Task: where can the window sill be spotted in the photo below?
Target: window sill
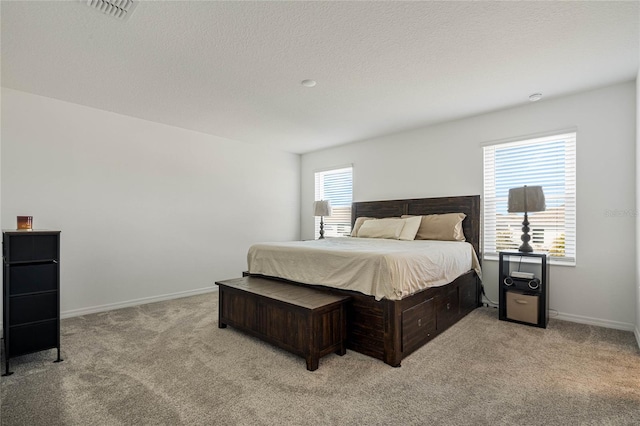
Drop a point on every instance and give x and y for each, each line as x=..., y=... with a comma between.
x=550, y=260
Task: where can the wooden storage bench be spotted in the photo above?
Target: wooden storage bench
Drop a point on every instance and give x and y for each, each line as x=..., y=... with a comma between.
x=301, y=320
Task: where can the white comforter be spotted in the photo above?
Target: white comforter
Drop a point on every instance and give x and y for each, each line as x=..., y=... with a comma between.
x=389, y=269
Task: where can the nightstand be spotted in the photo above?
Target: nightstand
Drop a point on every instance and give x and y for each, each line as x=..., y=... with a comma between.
x=524, y=288
x=31, y=293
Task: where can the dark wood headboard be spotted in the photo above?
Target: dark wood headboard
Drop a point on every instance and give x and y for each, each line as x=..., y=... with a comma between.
x=468, y=204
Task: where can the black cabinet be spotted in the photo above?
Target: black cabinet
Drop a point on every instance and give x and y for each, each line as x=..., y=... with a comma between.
x=31, y=293
x=524, y=288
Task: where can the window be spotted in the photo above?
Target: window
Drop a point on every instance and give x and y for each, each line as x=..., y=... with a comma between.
x=546, y=161
x=336, y=186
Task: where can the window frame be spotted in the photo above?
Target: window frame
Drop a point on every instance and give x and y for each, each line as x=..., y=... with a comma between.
x=569, y=194
x=341, y=212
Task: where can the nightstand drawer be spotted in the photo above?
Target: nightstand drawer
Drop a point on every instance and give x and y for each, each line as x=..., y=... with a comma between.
x=32, y=278
x=37, y=307
x=32, y=248
x=522, y=307
x=31, y=338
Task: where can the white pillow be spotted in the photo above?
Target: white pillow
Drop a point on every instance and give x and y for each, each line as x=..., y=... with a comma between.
x=382, y=228
x=410, y=229
x=358, y=223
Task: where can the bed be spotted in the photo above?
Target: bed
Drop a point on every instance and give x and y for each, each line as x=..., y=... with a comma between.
x=388, y=323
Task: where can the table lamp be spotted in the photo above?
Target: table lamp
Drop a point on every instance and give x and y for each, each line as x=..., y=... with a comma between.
x=322, y=208
x=526, y=199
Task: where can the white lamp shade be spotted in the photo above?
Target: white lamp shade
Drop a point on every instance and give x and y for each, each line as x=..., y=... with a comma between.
x=322, y=208
x=526, y=199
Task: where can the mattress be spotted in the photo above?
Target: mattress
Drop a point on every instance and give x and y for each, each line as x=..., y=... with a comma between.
x=385, y=269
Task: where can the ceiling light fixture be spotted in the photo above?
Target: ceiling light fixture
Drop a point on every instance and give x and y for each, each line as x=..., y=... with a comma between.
x=308, y=83
x=535, y=97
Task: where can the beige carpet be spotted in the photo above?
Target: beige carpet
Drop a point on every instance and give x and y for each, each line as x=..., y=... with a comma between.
x=168, y=364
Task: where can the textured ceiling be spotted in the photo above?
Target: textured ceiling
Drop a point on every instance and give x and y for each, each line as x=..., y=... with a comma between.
x=233, y=69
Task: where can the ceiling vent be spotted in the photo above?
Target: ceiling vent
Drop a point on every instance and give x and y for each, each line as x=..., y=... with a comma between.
x=120, y=9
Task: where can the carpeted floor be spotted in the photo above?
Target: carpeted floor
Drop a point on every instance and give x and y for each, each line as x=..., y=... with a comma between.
x=167, y=363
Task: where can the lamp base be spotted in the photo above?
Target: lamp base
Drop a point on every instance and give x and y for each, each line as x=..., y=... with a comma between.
x=321, y=228
x=525, y=247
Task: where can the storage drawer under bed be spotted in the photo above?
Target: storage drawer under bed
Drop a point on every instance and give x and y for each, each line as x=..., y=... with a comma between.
x=418, y=325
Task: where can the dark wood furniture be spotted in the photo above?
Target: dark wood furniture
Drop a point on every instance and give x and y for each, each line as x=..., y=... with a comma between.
x=301, y=320
x=390, y=330
x=31, y=292
x=523, y=300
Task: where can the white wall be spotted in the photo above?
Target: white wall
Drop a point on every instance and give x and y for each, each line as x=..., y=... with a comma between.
x=446, y=159
x=637, y=328
x=145, y=209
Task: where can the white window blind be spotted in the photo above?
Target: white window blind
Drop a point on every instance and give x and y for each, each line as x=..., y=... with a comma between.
x=336, y=186
x=546, y=161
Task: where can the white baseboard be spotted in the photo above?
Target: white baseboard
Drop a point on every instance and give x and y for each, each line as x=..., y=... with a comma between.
x=618, y=325
x=135, y=302
x=637, y=333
